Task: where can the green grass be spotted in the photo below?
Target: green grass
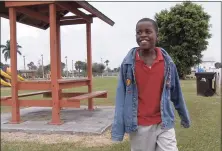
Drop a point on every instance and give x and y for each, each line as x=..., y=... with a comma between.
x=204, y=135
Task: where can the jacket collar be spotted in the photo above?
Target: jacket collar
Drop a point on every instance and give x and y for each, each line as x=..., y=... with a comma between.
x=130, y=57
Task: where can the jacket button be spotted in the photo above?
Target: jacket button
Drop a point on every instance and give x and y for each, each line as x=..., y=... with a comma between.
x=162, y=126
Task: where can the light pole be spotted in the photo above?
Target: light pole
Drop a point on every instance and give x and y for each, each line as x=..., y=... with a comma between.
x=72, y=69
x=24, y=62
x=42, y=67
x=66, y=67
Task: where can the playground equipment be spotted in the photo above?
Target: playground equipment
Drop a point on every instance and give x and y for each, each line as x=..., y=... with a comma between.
x=42, y=15
x=4, y=83
x=7, y=75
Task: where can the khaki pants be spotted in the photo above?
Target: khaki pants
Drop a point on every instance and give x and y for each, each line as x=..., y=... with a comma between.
x=153, y=138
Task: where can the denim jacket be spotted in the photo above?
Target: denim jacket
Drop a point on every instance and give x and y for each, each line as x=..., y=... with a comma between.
x=125, y=117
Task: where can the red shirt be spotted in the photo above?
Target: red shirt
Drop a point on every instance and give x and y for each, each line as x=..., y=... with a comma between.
x=149, y=83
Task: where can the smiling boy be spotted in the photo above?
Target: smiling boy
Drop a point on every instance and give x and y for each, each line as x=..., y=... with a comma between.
x=148, y=83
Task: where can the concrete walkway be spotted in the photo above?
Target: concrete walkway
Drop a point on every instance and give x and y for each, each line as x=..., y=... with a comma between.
x=36, y=119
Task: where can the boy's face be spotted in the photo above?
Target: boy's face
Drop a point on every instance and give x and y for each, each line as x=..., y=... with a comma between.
x=146, y=35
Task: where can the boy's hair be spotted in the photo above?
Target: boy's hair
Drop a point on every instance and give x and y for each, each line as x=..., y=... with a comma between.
x=150, y=20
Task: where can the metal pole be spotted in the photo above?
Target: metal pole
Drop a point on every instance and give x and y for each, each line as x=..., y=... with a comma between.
x=42, y=68
x=66, y=67
x=72, y=69
x=24, y=62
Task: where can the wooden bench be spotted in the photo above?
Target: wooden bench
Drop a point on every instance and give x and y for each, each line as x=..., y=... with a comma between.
x=96, y=94
x=25, y=94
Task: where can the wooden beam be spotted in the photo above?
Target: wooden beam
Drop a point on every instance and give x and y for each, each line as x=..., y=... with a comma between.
x=93, y=10
x=25, y=94
x=22, y=22
x=74, y=17
x=72, y=83
x=74, y=10
x=6, y=102
x=100, y=94
x=89, y=63
x=72, y=22
x=13, y=55
x=35, y=103
x=54, y=66
x=71, y=94
x=58, y=51
x=46, y=9
x=23, y=16
x=42, y=103
x=33, y=14
x=68, y=104
x=34, y=85
x=26, y=3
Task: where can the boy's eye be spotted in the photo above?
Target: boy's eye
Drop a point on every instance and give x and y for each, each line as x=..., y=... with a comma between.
x=148, y=31
x=139, y=32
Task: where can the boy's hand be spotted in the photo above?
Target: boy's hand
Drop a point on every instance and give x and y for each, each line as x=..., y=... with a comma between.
x=185, y=125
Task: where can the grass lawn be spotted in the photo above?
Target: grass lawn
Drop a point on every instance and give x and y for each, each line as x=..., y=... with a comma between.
x=204, y=135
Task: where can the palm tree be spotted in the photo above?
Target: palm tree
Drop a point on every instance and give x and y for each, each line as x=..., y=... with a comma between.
x=6, y=50
x=107, y=63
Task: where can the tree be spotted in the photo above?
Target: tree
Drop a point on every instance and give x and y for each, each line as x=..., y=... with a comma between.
x=32, y=66
x=109, y=70
x=183, y=32
x=107, y=63
x=80, y=65
x=1, y=65
x=98, y=68
x=101, y=67
x=218, y=65
x=47, y=68
x=6, y=50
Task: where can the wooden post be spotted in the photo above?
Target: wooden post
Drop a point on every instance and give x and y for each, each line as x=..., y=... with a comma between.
x=58, y=48
x=89, y=63
x=54, y=66
x=59, y=74
x=13, y=55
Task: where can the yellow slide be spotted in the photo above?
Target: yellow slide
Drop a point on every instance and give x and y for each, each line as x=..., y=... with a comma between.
x=5, y=83
x=9, y=73
x=8, y=76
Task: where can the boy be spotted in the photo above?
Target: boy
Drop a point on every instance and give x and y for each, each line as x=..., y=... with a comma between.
x=148, y=82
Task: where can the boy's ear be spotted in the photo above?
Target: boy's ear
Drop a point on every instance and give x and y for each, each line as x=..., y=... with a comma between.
x=157, y=37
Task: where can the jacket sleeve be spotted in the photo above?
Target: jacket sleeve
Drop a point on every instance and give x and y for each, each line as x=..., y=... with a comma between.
x=178, y=99
x=118, y=129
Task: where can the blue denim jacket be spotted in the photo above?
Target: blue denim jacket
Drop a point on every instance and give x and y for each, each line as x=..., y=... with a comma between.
x=125, y=118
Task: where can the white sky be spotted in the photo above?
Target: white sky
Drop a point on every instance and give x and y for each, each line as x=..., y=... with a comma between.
x=108, y=42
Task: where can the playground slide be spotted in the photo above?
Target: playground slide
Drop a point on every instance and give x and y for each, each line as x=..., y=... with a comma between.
x=19, y=77
x=8, y=76
x=5, y=83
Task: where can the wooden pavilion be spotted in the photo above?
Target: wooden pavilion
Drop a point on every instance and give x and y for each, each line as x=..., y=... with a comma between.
x=43, y=15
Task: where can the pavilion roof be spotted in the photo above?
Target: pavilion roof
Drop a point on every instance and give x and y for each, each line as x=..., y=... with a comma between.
x=36, y=13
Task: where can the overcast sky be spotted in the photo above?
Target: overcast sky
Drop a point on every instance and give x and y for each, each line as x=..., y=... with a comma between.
x=108, y=42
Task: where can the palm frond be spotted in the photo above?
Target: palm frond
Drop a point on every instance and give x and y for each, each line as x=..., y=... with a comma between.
x=19, y=52
x=6, y=56
x=2, y=46
x=5, y=50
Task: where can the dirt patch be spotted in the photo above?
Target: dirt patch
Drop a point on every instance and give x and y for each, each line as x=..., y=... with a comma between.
x=83, y=140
